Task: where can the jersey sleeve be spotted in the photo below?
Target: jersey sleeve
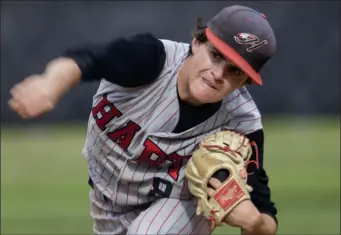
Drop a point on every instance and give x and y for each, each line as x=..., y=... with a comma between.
x=127, y=62
x=258, y=178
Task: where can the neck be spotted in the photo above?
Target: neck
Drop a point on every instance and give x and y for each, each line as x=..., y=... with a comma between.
x=183, y=88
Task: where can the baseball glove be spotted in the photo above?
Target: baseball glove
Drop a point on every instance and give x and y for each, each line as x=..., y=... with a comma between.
x=224, y=150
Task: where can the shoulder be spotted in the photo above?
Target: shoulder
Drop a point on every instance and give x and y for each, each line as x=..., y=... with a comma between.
x=175, y=51
x=144, y=41
x=168, y=56
x=244, y=115
x=134, y=61
x=141, y=50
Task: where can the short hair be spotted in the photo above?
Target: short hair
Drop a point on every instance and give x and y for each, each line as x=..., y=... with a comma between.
x=199, y=33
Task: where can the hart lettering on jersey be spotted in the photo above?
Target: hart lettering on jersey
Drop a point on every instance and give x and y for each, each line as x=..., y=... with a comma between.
x=124, y=135
x=104, y=112
x=178, y=161
x=152, y=154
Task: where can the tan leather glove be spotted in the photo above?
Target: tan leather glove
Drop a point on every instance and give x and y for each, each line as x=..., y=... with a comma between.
x=223, y=150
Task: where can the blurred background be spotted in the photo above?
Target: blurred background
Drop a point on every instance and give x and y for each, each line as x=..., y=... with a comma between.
x=43, y=175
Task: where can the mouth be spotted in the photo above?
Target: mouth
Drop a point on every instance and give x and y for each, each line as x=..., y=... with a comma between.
x=208, y=83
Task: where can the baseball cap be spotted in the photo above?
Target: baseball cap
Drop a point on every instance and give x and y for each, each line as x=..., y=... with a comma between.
x=245, y=37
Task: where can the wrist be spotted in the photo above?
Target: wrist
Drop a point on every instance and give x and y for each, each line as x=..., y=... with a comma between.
x=245, y=216
x=252, y=223
x=250, y=220
x=263, y=225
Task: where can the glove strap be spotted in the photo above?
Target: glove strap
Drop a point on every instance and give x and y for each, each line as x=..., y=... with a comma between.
x=227, y=198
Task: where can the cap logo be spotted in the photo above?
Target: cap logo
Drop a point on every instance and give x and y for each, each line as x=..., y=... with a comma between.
x=249, y=39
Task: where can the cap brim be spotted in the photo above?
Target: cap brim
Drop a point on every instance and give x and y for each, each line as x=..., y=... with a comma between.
x=232, y=55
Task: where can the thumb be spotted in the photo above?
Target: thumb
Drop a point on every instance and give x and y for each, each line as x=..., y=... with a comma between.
x=198, y=210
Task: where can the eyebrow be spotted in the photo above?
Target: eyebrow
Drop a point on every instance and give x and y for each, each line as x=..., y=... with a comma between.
x=215, y=49
x=233, y=65
x=229, y=62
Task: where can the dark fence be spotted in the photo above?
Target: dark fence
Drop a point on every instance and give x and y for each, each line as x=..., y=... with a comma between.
x=303, y=78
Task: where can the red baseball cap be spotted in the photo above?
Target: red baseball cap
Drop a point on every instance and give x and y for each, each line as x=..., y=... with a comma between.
x=245, y=37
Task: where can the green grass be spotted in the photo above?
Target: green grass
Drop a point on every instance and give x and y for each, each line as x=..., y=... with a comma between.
x=44, y=178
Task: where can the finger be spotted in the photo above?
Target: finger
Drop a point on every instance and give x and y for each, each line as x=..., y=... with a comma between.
x=210, y=192
x=215, y=183
x=16, y=107
x=13, y=105
x=29, y=98
x=20, y=98
x=14, y=90
x=35, y=112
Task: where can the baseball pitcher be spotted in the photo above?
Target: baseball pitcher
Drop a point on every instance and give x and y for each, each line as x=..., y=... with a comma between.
x=174, y=139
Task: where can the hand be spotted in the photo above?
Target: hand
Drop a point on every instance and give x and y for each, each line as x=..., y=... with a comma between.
x=33, y=97
x=245, y=215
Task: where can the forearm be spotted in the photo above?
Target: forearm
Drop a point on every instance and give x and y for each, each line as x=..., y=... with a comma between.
x=63, y=74
x=265, y=226
x=248, y=218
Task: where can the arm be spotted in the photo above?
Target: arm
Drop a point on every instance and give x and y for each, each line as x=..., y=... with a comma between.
x=261, y=194
x=258, y=216
x=126, y=62
x=130, y=62
x=62, y=74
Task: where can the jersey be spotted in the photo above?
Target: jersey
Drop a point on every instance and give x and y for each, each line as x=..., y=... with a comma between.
x=133, y=154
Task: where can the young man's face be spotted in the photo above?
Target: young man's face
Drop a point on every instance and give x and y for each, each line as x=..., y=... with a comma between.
x=211, y=76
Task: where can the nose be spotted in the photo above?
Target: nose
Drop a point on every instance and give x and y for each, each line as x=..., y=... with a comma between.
x=218, y=73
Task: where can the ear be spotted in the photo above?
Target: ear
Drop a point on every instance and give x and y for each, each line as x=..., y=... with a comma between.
x=195, y=45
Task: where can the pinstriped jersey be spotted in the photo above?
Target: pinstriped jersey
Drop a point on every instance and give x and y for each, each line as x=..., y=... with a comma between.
x=133, y=154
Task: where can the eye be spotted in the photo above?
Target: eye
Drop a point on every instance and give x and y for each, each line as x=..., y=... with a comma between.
x=235, y=71
x=217, y=55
